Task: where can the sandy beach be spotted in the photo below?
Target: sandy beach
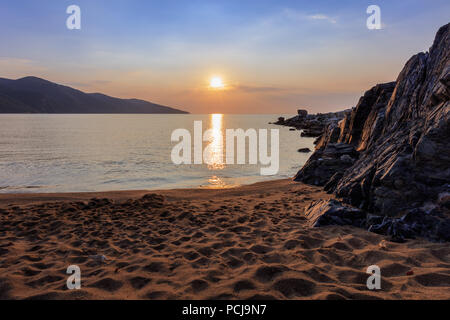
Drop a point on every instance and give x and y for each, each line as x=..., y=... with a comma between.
x=251, y=242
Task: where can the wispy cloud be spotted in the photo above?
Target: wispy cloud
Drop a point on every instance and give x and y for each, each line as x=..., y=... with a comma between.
x=88, y=84
x=258, y=89
x=18, y=67
x=272, y=89
x=301, y=16
x=322, y=17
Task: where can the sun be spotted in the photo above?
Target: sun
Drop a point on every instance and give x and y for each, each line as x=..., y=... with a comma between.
x=216, y=83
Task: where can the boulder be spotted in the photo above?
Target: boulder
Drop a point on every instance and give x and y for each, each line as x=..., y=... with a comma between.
x=324, y=163
x=280, y=121
x=311, y=125
x=312, y=132
x=332, y=212
x=415, y=223
x=302, y=113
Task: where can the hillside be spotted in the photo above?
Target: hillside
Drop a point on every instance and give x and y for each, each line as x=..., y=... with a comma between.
x=35, y=95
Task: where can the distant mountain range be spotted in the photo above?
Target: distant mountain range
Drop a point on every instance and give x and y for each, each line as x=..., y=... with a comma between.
x=35, y=95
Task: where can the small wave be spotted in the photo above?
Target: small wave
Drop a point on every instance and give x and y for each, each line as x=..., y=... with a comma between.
x=20, y=187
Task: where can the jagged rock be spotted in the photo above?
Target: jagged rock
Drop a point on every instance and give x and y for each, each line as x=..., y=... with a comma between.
x=400, y=132
x=312, y=132
x=324, y=163
x=280, y=121
x=302, y=113
x=334, y=180
x=405, y=154
x=330, y=135
x=332, y=212
x=415, y=223
x=368, y=106
x=430, y=223
x=312, y=125
x=444, y=199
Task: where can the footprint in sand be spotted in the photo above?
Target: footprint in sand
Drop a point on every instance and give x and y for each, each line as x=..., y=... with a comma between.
x=155, y=295
x=155, y=267
x=268, y=273
x=43, y=281
x=5, y=288
x=107, y=284
x=243, y=285
x=433, y=280
x=139, y=282
x=199, y=285
x=291, y=287
x=260, y=249
x=28, y=272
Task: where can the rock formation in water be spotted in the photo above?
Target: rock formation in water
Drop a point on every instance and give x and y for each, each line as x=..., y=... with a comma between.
x=312, y=125
x=391, y=155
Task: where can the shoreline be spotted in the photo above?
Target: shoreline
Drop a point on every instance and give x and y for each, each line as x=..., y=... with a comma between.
x=9, y=199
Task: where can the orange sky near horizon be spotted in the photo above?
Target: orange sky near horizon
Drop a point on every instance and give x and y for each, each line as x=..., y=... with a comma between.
x=273, y=58
x=332, y=87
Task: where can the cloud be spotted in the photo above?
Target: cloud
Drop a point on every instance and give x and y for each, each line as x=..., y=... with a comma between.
x=285, y=90
x=300, y=16
x=258, y=89
x=77, y=84
x=18, y=68
x=88, y=85
x=322, y=17
x=101, y=82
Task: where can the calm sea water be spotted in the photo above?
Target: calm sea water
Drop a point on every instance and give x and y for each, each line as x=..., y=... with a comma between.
x=77, y=153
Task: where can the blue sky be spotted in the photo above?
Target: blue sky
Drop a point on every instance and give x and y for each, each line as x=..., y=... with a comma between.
x=274, y=56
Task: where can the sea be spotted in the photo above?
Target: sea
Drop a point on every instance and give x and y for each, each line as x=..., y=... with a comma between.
x=42, y=153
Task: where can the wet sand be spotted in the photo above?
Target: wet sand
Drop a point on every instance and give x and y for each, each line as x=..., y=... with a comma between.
x=251, y=242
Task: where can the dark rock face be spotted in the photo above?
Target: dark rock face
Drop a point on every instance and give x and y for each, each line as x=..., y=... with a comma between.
x=280, y=121
x=400, y=132
x=325, y=162
x=336, y=147
x=415, y=223
x=405, y=157
x=311, y=125
x=332, y=212
x=358, y=122
x=302, y=113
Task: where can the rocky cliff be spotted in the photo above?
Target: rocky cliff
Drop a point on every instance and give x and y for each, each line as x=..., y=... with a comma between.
x=391, y=155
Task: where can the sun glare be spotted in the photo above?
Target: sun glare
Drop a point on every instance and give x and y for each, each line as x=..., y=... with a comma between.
x=216, y=83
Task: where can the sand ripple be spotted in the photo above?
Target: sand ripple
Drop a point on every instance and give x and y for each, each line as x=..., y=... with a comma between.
x=246, y=243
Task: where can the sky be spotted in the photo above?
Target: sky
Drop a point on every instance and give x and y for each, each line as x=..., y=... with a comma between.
x=273, y=56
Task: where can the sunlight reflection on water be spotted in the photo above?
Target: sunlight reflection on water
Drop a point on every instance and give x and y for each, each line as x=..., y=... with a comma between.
x=77, y=153
x=214, y=154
